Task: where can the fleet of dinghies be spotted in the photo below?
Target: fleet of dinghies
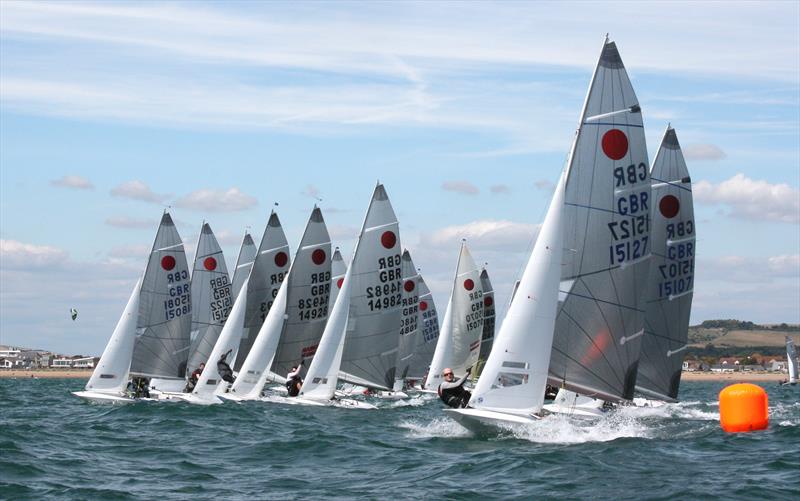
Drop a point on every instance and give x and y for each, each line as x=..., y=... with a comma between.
x=600, y=313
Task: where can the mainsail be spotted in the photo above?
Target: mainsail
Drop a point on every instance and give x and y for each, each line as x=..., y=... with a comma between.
x=308, y=293
x=488, y=316
x=460, y=339
x=409, y=321
x=607, y=241
x=165, y=308
x=269, y=269
x=671, y=273
x=211, y=297
x=244, y=263
x=428, y=334
x=370, y=351
x=514, y=377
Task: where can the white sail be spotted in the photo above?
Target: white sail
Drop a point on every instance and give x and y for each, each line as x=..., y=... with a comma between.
x=165, y=309
x=211, y=297
x=210, y=383
x=606, y=238
x=338, y=270
x=791, y=359
x=111, y=374
x=671, y=273
x=370, y=351
x=460, y=339
x=269, y=270
x=244, y=263
x=410, y=319
x=514, y=377
x=428, y=336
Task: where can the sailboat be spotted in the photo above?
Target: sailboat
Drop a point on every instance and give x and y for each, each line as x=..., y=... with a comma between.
x=460, y=338
x=511, y=389
x=487, y=338
x=272, y=256
x=428, y=335
x=211, y=297
x=671, y=274
x=791, y=361
x=269, y=269
x=368, y=300
x=604, y=277
x=296, y=319
x=151, y=339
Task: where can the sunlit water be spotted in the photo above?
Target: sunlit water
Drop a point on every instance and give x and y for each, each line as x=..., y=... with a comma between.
x=54, y=445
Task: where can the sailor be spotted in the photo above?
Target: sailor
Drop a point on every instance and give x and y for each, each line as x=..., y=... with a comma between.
x=293, y=380
x=195, y=375
x=224, y=369
x=452, y=392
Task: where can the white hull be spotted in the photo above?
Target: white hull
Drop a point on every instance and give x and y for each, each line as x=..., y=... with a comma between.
x=648, y=402
x=195, y=400
x=104, y=398
x=482, y=421
x=338, y=402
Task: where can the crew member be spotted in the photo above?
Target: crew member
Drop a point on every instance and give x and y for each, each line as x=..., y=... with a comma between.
x=293, y=380
x=452, y=392
x=193, y=377
x=225, y=371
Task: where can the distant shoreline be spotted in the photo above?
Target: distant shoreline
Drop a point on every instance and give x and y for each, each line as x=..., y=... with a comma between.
x=686, y=376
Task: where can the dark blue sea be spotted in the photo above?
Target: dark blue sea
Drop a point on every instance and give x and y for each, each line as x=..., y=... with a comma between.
x=56, y=446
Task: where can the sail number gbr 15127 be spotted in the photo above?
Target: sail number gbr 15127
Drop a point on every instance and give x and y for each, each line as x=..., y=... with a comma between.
x=388, y=294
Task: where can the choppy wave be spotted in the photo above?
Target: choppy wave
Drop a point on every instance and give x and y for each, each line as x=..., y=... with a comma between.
x=55, y=446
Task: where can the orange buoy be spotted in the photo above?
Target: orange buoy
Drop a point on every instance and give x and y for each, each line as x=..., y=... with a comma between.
x=743, y=407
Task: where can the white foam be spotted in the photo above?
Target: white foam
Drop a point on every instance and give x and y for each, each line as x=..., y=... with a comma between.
x=558, y=429
x=439, y=427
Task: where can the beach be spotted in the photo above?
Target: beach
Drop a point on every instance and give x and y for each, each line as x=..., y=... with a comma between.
x=47, y=373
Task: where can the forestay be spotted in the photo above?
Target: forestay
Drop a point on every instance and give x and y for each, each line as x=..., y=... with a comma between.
x=269, y=269
x=111, y=374
x=244, y=263
x=607, y=241
x=370, y=351
x=211, y=297
x=671, y=273
x=488, y=316
x=514, y=377
x=460, y=340
x=165, y=308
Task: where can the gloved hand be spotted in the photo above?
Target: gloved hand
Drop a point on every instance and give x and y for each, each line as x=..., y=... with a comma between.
x=469, y=370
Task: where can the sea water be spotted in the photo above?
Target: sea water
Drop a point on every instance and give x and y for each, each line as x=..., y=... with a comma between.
x=55, y=446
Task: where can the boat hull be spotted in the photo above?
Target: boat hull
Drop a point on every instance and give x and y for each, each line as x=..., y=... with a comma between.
x=345, y=403
x=574, y=411
x=104, y=398
x=481, y=421
x=195, y=400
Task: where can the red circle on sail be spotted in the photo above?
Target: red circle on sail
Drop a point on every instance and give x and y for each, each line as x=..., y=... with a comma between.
x=388, y=239
x=669, y=206
x=210, y=263
x=409, y=285
x=167, y=262
x=281, y=259
x=339, y=283
x=615, y=144
x=318, y=256
x=488, y=301
x=469, y=284
x=423, y=306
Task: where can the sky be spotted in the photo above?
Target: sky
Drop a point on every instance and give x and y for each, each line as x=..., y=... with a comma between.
x=111, y=112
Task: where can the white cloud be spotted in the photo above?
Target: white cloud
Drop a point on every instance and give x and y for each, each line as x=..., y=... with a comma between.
x=138, y=190
x=74, y=182
x=463, y=187
x=131, y=223
x=486, y=234
x=22, y=256
x=500, y=189
x=785, y=265
x=751, y=199
x=699, y=152
x=230, y=200
x=545, y=185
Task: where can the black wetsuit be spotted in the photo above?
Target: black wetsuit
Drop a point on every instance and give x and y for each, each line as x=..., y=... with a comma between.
x=292, y=380
x=453, y=394
x=225, y=371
